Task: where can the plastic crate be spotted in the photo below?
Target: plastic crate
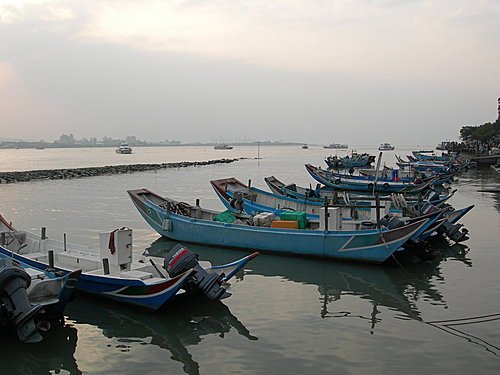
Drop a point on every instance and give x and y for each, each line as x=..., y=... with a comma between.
x=287, y=224
x=225, y=217
x=299, y=216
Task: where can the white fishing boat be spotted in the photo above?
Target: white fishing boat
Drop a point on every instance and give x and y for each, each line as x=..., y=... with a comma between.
x=386, y=147
x=337, y=146
x=124, y=149
x=222, y=146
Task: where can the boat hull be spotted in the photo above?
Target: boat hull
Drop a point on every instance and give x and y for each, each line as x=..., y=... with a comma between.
x=131, y=291
x=386, y=187
x=373, y=246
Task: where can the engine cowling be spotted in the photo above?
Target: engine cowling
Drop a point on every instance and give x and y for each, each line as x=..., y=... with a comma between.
x=15, y=304
x=181, y=259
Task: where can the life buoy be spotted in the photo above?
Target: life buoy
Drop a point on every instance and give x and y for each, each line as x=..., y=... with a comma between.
x=386, y=186
x=337, y=181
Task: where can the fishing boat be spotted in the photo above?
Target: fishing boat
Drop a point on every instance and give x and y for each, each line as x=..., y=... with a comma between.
x=354, y=161
x=317, y=193
x=386, y=147
x=320, y=193
x=124, y=148
x=181, y=221
x=337, y=146
x=425, y=166
x=389, y=172
x=371, y=187
x=238, y=197
x=305, y=147
x=110, y=271
x=32, y=299
x=345, y=162
x=222, y=146
x=432, y=157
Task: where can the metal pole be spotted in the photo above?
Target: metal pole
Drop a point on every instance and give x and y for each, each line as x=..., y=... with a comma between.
x=105, y=266
x=377, y=210
x=326, y=213
x=2, y=239
x=376, y=171
x=44, y=233
x=51, y=259
x=65, y=242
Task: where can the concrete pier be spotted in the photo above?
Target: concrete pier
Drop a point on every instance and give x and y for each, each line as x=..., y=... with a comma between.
x=60, y=174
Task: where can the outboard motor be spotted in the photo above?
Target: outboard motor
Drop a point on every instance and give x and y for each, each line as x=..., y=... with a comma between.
x=16, y=309
x=454, y=233
x=180, y=260
x=392, y=222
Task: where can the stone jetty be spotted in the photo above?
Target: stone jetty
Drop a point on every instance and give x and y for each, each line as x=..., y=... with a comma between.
x=60, y=174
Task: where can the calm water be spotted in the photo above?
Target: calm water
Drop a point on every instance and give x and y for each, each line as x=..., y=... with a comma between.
x=286, y=315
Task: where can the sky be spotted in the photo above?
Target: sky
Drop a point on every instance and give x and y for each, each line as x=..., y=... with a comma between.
x=313, y=71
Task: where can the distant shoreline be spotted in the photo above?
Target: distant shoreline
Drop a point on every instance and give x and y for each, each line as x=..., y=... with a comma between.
x=69, y=173
x=41, y=145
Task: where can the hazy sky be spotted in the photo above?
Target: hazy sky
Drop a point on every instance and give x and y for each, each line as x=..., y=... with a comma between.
x=316, y=71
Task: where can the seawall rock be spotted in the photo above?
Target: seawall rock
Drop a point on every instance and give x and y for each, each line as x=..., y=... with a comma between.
x=58, y=174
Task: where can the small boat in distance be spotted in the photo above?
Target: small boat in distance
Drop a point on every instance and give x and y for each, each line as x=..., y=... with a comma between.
x=222, y=146
x=124, y=149
x=305, y=147
x=337, y=145
x=386, y=147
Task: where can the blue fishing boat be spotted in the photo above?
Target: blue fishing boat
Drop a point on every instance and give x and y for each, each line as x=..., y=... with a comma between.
x=183, y=222
x=436, y=179
x=423, y=156
x=238, y=197
x=427, y=166
x=321, y=192
x=371, y=187
x=355, y=160
x=381, y=177
x=110, y=271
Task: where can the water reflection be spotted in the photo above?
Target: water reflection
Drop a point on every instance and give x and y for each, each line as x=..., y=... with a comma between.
x=459, y=327
x=183, y=324
x=397, y=286
x=484, y=181
x=54, y=355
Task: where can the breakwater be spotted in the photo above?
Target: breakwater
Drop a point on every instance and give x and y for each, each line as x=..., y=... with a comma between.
x=67, y=173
